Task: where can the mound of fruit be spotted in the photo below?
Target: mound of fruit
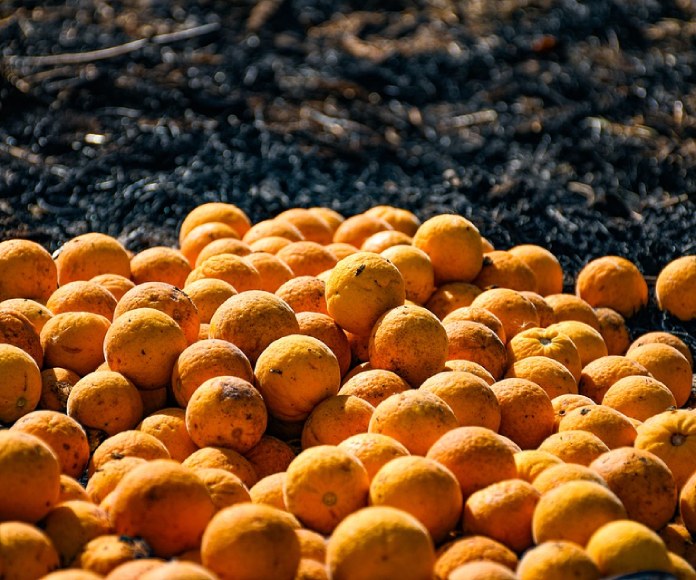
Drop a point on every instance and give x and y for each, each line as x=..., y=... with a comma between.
x=320, y=396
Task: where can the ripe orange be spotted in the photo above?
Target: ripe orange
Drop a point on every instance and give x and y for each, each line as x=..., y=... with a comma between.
x=223, y=458
x=673, y=288
x=557, y=560
x=169, y=426
x=26, y=551
x=471, y=549
x=115, y=283
x=270, y=455
x=574, y=446
x=224, y=246
x=26, y=271
x=82, y=296
x=228, y=267
x=667, y=365
x=269, y=491
x=547, y=270
x=272, y=228
x=611, y=426
x=216, y=211
x=56, y=384
x=160, y=264
x=88, y=255
x=482, y=570
x=274, y=271
x=512, y=309
x=561, y=473
x=34, y=311
x=402, y=220
x=104, y=553
x=587, y=340
x=385, y=239
x=21, y=383
x=533, y=462
x=356, y=229
x=313, y=225
x=374, y=450
x=481, y=315
x=546, y=372
x=450, y=296
x=335, y=419
x=416, y=269
x=562, y=404
x=639, y=397
x=304, y=294
x=467, y=366
x=664, y=338
x=572, y=307
x=207, y=295
x=307, y=258
x=614, y=331
x=225, y=488
x=547, y=317
x=599, y=375
x=546, y=342
x=477, y=343
x=202, y=235
x=502, y=269
x=130, y=443
x=17, y=330
x=324, y=328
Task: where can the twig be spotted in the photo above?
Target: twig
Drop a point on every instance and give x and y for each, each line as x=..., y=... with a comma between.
x=33, y=159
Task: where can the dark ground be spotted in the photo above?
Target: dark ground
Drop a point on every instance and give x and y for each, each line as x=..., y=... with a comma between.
x=571, y=124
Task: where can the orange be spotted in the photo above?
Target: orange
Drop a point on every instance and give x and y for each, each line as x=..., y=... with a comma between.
x=71, y=489
x=477, y=343
x=677, y=539
x=450, y=296
x=454, y=246
x=673, y=288
x=416, y=269
x=323, y=485
x=561, y=473
x=612, y=282
x=402, y=220
x=207, y=295
x=471, y=399
x=115, y=283
x=671, y=435
x=143, y=345
x=481, y=315
x=202, y=235
x=215, y=211
x=663, y=338
x=639, y=397
x=587, y=340
x=526, y=413
x=611, y=426
x=356, y=229
x=380, y=542
x=272, y=228
x=226, y=412
x=546, y=342
x=274, y=271
x=410, y=341
x=421, y=487
x=313, y=226
x=165, y=504
x=624, y=546
x=467, y=366
x=127, y=444
x=562, y=404
x=471, y=549
x=160, y=264
x=104, y=479
x=574, y=446
x=252, y=320
x=681, y=568
x=88, y=255
x=477, y=456
x=482, y=570
x=667, y=365
x=312, y=545
x=73, y=340
x=687, y=503
x=598, y=376
x=373, y=450
x=29, y=477
x=533, y=462
x=501, y=269
x=225, y=488
x=204, y=360
x=228, y=267
x=336, y=419
x=34, y=311
x=105, y=400
x=223, y=246
x=65, y=436
x=269, y=491
x=341, y=249
x=614, y=331
x=557, y=560
x=169, y=426
x=547, y=317
x=178, y=570
x=26, y=271
x=72, y=574
x=512, y=309
x=70, y=525
x=270, y=455
x=331, y=216
x=588, y=505
x=21, y=383
x=17, y=330
x=417, y=419
x=222, y=458
x=153, y=399
x=571, y=307
x=26, y=551
x=545, y=266
x=104, y=553
x=56, y=384
x=82, y=296
x=643, y=483
x=385, y=239
x=362, y=287
x=309, y=569
x=502, y=511
x=304, y=294
x=306, y=258
x=549, y=374
x=322, y=327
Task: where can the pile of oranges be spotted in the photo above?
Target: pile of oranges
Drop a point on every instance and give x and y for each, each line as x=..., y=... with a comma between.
x=315, y=396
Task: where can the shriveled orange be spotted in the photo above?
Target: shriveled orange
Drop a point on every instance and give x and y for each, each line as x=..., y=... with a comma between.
x=588, y=505
x=323, y=485
x=169, y=426
x=269, y=491
x=643, y=483
x=673, y=288
x=202, y=235
x=56, y=384
x=477, y=343
x=304, y=294
x=26, y=271
x=533, y=462
x=454, y=246
x=610, y=425
x=481, y=315
x=501, y=269
x=512, y=309
x=373, y=450
x=270, y=455
x=127, y=444
x=225, y=488
x=401, y=219
x=502, y=511
x=471, y=549
x=625, y=546
x=105, y=400
x=313, y=225
x=224, y=246
x=546, y=342
x=572, y=307
x=545, y=266
x=598, y=376
x=115, y=283
x=88, y=255
x=614, y=331
x=574, y=446
x=482, y=570
x=477, y=456
x=160, y=264
x=21, y=383
x=470, y=397
x=639, y=397
x=228, y=267
x=417, y=419
x=29, y=477
x=467, y=366
x=561, y=473
x=663, y=337
x=226, y=411
x=548, y=373
x=223, y=458
x=423, y=488
x=547, y=317
x=526, y=413
x=416, y=269
x=667, y=365
x=451, y=296
x=104, y=553
x=26, y=551
x=557, y=560
x=17, y=330
x=34, y=311
x=612, y=282
x=587, y=340
x=380, y=542
x=335, y=419
x=215, y=211
x=356, y=229
x=385, y=239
